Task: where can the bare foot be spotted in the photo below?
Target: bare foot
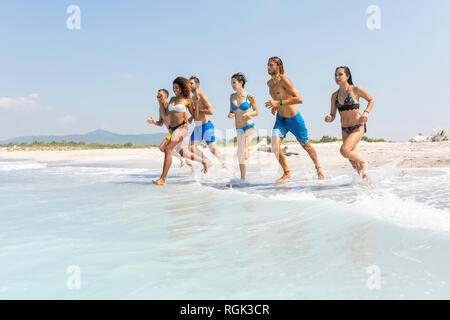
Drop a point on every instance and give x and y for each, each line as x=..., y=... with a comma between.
x=367, y=179
x=320, y=174
x=159, y=182
x=285, y=176
x=356, y=166
x=363, y=172
x=205, y=166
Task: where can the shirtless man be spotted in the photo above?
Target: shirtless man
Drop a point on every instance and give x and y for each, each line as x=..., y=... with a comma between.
x=288, y=118
x=204, y=129
x=164, y=119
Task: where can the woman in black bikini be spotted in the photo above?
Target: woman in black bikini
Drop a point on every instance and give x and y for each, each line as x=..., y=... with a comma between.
x=353, y=123
x=177, y=110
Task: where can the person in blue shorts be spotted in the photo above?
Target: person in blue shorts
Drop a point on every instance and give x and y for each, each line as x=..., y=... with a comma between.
x=288, y=118
x=204, y=129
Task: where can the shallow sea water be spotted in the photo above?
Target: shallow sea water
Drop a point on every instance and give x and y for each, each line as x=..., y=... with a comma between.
x=212, y=237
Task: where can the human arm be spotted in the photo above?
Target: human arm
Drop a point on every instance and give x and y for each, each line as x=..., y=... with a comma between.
x=191, y=111
x=273, y=109
x=290, y=90
x=158, y=123
x=231, y=113
x=163, y=109
x=365, y=95
x=206, y=108
x=332, y=115
x=255, y=111
x=191, y=108
x=151, y=121
x=195, y=105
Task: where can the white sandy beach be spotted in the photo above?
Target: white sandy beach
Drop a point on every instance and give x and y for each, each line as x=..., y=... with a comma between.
x=408, y=155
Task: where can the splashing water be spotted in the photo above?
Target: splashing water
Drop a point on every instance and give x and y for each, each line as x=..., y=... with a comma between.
x=215, y=237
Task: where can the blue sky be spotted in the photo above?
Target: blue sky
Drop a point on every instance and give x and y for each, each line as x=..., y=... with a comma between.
x=59, y=81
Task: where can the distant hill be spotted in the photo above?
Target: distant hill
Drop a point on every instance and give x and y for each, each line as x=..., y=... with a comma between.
x=100, y=136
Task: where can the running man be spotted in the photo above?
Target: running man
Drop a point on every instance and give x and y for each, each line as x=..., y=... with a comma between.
x=164, y=119
x=204, y=129
x=288, y=118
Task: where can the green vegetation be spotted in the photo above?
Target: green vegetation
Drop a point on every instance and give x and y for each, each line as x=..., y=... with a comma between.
x=71, y=145
x=233, y=142
x=372, y=140
x=269, y=139
x=325, y=139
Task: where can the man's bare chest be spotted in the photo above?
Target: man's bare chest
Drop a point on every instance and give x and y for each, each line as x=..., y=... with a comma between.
x=277, y=91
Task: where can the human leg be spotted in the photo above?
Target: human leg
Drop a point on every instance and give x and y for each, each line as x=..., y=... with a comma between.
x=279, y=132
x=348, y=150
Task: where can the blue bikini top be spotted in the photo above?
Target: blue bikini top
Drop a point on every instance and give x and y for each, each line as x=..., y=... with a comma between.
x=244, y=105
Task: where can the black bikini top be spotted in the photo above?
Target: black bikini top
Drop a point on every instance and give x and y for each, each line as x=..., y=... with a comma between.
x=349, y=103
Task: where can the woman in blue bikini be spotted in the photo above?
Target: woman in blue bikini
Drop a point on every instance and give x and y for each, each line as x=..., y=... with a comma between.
x=353, y=123
x=242, y=108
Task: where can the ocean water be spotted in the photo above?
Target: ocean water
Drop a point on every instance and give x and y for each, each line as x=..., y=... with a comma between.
x=214, y=237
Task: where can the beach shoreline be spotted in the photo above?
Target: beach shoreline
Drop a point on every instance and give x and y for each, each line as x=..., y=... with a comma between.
x=407, y=154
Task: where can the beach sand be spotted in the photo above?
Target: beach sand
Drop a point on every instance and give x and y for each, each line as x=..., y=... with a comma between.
x=408, y=155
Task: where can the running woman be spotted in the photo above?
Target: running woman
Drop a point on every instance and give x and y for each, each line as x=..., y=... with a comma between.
x=204, y=129
x=288, y=118
x=242, y=108
x=353, y=123
x=161, y=97
x=177, y=111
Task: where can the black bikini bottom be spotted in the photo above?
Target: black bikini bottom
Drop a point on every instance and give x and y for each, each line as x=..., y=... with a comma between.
x=353, y=128
x=172, y=129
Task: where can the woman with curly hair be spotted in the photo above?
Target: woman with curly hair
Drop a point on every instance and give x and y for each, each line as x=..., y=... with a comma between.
x=177, y=111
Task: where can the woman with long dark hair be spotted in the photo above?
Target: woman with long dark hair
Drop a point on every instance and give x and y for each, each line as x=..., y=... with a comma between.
x=177, y=111
x=353, y=123
x=242, y=108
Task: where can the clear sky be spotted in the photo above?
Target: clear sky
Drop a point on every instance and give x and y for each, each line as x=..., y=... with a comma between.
x=105, y=76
